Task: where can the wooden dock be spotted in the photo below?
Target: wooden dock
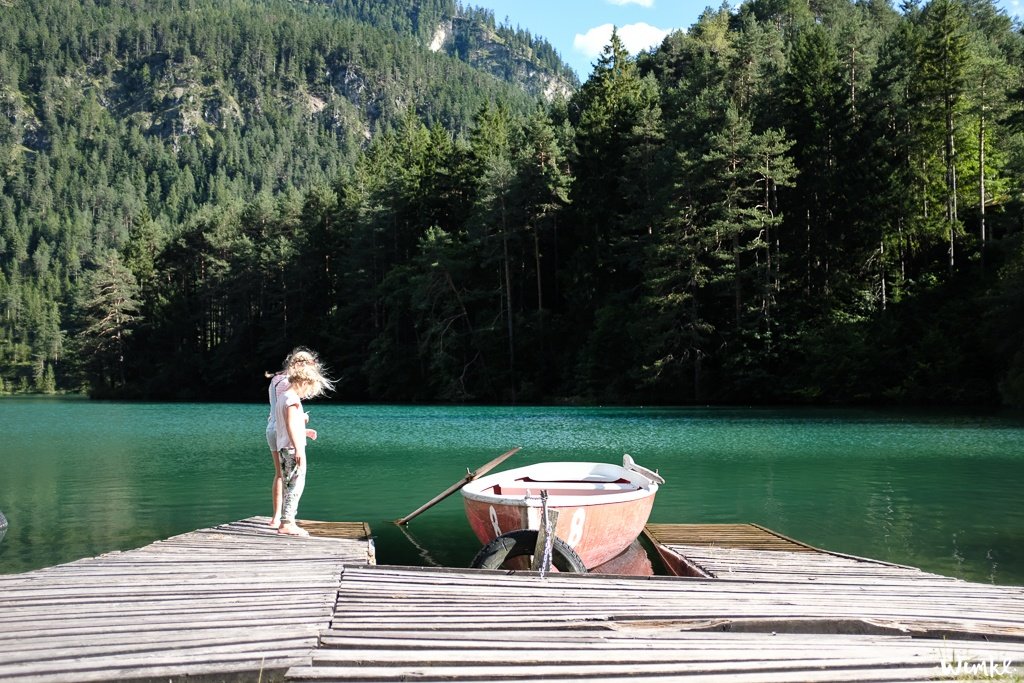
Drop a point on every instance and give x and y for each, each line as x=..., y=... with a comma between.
x=394, y=623
x=750, y=551
x=234, y=602
x=238, y=602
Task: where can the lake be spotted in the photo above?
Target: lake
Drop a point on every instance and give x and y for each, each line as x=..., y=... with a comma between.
x=943, y=491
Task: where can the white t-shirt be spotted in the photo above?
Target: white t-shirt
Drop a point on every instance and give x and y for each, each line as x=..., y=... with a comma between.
x=278, y=385
x=288, y=398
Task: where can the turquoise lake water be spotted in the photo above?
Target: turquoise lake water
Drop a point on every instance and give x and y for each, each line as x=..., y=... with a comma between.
x=940, y=491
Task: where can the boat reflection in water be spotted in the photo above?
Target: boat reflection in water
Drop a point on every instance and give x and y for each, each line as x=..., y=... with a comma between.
x=633, y=561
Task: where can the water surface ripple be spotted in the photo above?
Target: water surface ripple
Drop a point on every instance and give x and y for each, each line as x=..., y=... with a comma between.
x=937, y=490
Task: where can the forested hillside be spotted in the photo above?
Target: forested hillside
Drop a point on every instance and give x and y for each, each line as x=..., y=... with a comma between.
x=787, y=202
x=471, y=35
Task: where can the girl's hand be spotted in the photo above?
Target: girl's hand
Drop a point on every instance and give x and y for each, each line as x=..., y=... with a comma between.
x=311, y=434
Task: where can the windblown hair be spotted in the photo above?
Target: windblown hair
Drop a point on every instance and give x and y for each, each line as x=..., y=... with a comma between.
x=307, y=375
x=299, y=355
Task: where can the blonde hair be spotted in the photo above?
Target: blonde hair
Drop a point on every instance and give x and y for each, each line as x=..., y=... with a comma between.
x=298, y=355
x=306, y=375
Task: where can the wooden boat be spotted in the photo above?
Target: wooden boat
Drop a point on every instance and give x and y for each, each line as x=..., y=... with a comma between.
x=602, y=508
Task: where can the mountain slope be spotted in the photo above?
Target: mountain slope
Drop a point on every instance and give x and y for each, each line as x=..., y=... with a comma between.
x=126, y=118
x=471, y=35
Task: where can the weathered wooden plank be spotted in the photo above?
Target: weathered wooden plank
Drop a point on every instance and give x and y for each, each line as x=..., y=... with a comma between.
x=116, y=654
x=742, y=535
x=601, y=635
x=115, y=626
x=749, y=551
x=245, y=666
x=435, y=624
x=1005, y=624
x=635, y=671
x=721, y=593
x=164, y=585
x=171, y=606
x=702, y=607
x=563, y=598
x=656, y=587
x=229, y=602
x=965, y=591
x=693, y=644
x=209, y=602
x=100, y=643
x=793, y=655
x=727, y=562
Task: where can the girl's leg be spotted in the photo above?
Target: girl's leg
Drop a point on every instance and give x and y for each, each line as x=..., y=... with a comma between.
x=276, y=490
x=294, y=482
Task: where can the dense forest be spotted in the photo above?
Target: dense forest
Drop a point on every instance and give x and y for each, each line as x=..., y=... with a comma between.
x=788, y=202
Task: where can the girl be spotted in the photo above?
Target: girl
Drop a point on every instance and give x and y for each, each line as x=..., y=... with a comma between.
x=305, y=380
x=278, y=385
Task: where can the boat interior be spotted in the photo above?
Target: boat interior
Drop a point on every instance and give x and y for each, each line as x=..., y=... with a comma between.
x=527, y=486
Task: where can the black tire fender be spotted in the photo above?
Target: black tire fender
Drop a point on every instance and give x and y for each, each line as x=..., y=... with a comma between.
x=522, y=542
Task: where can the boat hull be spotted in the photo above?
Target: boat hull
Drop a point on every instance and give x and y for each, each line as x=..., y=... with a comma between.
x=601, y=508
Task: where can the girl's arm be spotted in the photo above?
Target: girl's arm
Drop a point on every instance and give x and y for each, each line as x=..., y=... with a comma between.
x=296, y=426
x=310, y=433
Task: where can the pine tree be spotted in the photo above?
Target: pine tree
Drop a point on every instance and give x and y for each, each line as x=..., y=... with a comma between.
x=943, y=71
x=111, y=315
x=492, y=154
x=817, y=107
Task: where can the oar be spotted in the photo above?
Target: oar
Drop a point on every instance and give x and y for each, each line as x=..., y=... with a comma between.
x=470, y=476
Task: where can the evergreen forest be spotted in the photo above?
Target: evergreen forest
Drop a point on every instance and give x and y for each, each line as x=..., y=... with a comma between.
x=792, y=201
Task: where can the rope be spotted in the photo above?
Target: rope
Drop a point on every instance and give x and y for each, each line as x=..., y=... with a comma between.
x=549, y=535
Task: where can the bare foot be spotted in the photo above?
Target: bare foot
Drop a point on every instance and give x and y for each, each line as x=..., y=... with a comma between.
x=292, y=529
x=275, y=523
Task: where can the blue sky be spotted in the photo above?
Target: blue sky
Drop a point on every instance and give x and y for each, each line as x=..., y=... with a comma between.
x=579, y=29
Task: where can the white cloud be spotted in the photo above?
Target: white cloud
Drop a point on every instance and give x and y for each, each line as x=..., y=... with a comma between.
x=642, y=3
x=593, y=41
x=641, y=36
x=634, y=37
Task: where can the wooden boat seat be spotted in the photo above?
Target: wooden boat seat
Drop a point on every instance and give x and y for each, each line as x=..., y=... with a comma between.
x=563, y=488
